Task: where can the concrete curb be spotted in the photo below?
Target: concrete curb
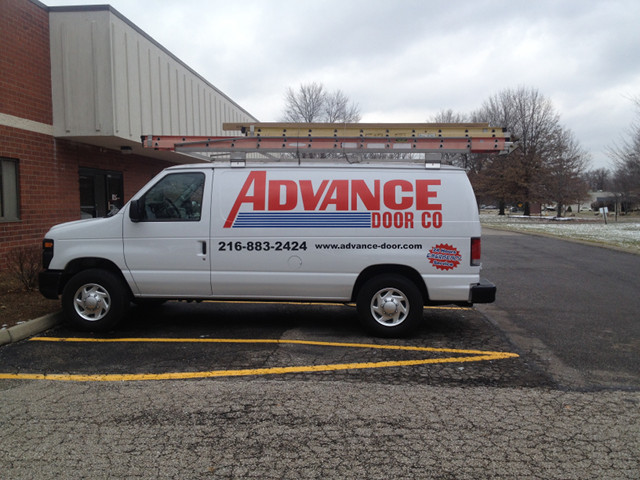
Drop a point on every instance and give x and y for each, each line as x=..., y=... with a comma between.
x=29, y=328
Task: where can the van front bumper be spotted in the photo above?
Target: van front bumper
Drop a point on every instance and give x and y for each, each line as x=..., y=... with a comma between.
x=483, y=292
x=49, y=283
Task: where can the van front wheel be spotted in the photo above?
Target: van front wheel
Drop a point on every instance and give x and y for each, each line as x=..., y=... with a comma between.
x=94, y=300
x=390, y=305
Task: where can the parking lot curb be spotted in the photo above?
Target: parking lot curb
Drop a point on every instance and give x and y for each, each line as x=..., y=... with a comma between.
x=29, y=328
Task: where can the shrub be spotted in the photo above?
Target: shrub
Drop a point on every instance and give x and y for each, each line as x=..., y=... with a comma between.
x=24, y=263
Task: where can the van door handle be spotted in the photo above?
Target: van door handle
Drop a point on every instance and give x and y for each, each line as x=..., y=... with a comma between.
x=203, y=249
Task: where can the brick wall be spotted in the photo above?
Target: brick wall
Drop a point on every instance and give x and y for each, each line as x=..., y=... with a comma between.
x=25, y=82
x=25, y=92
x=36, y=178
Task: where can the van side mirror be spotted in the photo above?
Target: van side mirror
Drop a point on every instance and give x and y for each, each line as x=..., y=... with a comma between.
x=136, y=210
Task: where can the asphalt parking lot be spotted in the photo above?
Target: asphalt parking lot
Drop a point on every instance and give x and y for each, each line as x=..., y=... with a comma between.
x=189, y=340
x=524, y=388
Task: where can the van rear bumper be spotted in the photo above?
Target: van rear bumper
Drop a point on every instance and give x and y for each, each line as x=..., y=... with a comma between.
x=483, y=292
x=49, y=283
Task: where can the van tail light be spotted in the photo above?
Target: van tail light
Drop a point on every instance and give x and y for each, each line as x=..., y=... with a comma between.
x=475, y=252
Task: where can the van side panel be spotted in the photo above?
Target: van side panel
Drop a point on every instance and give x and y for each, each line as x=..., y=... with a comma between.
x=307, y=233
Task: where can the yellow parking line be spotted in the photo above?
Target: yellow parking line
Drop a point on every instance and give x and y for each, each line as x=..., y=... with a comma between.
x=472, y=356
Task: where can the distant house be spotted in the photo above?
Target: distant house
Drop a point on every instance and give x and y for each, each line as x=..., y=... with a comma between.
x=79, y=86
x=603, y=199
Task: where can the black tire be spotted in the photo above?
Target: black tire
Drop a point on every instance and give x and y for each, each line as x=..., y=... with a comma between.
x=95, y=300
x=390, y=306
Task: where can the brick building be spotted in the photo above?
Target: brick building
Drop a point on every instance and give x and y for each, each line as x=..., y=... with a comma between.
x=78, y=86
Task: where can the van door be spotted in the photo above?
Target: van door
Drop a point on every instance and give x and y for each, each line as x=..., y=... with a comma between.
x=167, y=248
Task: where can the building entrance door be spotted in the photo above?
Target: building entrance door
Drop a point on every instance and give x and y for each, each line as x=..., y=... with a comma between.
x=101, y=191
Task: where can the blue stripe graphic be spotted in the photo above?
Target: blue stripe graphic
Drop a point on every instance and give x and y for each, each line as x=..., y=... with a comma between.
x=303, y=220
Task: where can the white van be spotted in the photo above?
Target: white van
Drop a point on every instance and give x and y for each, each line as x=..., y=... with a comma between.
x=389, y=238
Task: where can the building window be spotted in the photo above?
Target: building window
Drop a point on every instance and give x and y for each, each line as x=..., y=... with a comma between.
x=101, y=192
x=9, y=201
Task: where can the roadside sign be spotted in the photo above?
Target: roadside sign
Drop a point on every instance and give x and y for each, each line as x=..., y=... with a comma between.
x=604, y=211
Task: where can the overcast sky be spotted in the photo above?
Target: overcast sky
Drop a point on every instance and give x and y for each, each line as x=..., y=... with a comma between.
x=406, y=60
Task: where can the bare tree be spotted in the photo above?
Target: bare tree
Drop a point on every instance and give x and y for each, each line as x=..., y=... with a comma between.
x=497, y=179
x=626, y=157
x=312, y=103
x=338, y=108
x=305, y=105
x=563, y=181
x=449, y=116
x=533, y=122
x=598, y=179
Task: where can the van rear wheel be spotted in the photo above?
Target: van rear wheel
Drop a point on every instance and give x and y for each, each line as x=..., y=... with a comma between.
x=94, y=300
x=390, y=305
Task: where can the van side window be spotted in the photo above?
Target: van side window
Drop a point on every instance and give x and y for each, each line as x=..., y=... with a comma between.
x=176, y=198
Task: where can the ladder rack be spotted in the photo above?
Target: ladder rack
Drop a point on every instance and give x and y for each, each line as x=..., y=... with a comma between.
x=339, y=138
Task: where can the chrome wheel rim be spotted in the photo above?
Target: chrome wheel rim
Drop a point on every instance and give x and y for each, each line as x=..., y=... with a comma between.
x=389, y=307
x=92, y=302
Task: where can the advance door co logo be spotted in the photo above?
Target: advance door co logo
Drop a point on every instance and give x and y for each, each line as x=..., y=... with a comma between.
x=334, y=203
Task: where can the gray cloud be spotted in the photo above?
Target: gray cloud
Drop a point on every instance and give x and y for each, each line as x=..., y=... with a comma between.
x=408, y=59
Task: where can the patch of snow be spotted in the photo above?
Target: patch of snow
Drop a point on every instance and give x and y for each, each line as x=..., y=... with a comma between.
x=621, y=234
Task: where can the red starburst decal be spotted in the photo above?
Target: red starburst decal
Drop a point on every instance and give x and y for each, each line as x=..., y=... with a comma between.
x=444, y=256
